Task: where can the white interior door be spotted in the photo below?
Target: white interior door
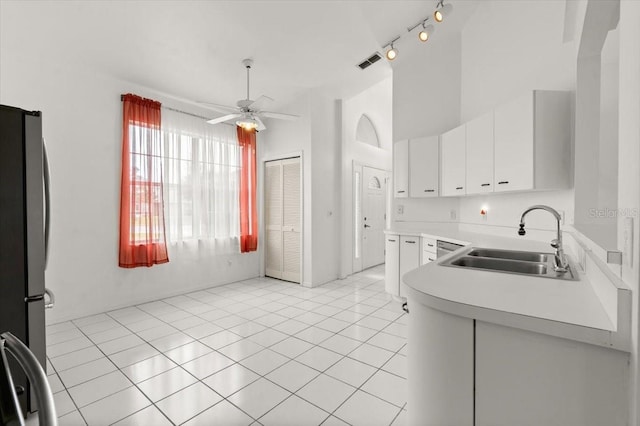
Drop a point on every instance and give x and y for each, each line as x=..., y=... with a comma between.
x=283, y=198
x=373, y=216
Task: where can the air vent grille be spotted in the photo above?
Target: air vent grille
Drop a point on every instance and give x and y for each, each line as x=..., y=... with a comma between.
x=370, y=61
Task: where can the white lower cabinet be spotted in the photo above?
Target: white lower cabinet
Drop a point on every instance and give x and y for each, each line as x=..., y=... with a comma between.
x=409, y=257
x=429, y=250
x=402, y=254
x=520, y=377
x=392, y=264
x=440, y=366
x=531, y=379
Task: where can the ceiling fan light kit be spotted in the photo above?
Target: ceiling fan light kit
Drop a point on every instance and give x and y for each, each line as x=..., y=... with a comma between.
x=248, y=112
x=440, y=13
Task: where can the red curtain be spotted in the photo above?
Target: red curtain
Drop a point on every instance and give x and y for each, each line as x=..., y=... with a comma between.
x=248, y=209
x=142, y=232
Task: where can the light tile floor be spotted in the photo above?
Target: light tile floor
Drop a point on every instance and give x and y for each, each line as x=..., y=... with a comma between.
x=256, y=352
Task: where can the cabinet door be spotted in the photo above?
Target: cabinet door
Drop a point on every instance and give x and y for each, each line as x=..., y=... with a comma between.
x=424, y=172
x=401, y=169
x=480, y=154
x=392, y=265
x=528, y=379
x=453, y=146
x=514, y=145
x=409, y=257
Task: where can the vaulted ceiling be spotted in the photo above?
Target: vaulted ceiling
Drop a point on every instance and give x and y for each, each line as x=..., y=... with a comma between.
x=193, y=49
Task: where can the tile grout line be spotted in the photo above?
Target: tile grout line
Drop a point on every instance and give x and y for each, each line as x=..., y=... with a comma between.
x=353, y=303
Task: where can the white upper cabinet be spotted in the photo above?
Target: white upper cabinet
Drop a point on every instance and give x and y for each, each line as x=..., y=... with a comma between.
x=453, y=148
x=424, y=163
x=480, y=154
x=401, y=169
x=532, y=142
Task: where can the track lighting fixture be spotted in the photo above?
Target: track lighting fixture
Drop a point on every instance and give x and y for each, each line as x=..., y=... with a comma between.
x=442, y=11
x=392, y=53
x=425, y=33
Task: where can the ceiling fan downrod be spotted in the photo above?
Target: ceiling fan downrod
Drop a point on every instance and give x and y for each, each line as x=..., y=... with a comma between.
x=247, y=64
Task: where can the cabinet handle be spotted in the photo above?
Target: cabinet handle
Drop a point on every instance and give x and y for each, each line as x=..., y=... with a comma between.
x=429, y=190
x=486, y=184
x=400, y=192
x=503, y=182
x=458, y=187
x=430, y=245
x=430, y=259
x=410, y=242
x=391, y=241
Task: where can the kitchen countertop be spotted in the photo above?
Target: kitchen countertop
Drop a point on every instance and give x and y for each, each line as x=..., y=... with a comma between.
x=569, y=309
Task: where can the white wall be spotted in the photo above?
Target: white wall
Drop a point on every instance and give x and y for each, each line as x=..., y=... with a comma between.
x=426, y=88
x=315, y=136
x=509, y=47
x=284, y=139
x=82, y=121
x=504, y=210
x=326, y=179
x=629, y=173
x=376, y=103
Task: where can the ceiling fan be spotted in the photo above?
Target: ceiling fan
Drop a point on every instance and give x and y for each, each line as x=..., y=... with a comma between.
x=247, y=112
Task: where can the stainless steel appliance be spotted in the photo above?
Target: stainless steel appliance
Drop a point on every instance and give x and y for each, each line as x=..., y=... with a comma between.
x=446, y=247
x=23, y=214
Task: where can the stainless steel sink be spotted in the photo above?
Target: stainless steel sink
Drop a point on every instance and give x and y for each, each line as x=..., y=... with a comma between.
x=527, y=256
x=504, y=265
x=509, y=261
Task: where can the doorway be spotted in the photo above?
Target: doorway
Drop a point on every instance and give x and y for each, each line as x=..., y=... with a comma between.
x=283, y=207
x=370, y=195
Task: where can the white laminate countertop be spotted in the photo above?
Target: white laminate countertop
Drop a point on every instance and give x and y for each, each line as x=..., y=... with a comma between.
x=521, y=301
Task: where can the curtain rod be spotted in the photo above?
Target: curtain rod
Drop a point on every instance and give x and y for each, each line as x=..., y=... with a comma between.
x=181, y=112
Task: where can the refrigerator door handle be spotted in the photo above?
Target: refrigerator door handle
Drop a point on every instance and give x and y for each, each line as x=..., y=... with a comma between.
x=47, y=209
x=52, y=299
x=35, y=373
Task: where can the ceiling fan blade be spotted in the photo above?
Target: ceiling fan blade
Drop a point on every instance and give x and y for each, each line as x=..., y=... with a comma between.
x=259, y=103
x=279, y=115
x=261, y=125
x=219, y=108
x=224, y=118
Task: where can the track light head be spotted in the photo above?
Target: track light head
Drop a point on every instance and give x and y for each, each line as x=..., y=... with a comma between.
x=425, y=33
x=392, y=53
x=442, y=11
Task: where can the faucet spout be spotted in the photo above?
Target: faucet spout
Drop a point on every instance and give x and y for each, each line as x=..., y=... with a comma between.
x=560, y=261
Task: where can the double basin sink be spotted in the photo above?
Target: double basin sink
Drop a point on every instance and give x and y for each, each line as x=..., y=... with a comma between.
x=509, y=261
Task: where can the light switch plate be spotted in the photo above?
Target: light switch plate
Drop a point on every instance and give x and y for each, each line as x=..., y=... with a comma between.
x=628, y=241
x=453, y=215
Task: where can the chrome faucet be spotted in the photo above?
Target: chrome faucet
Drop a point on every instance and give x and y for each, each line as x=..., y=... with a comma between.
x=560, y=263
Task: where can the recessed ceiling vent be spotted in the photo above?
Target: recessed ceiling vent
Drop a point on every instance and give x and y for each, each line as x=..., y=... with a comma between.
x=370, y=61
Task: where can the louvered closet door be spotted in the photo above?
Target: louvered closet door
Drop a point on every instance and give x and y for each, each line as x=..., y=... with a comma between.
x=273, y=219
x=291, y=220
x=282, y=218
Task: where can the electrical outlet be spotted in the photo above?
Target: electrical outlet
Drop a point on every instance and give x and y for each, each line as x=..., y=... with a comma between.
x=628, y=241
x=453, y=215
x=400, y=209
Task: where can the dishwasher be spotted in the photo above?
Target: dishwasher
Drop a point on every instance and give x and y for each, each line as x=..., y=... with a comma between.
x=445, y=247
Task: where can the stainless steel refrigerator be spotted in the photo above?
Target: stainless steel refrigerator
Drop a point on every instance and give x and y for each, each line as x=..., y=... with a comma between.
x=23, y=201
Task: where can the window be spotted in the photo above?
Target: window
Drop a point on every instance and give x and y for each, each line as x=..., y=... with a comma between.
x=201, y=180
